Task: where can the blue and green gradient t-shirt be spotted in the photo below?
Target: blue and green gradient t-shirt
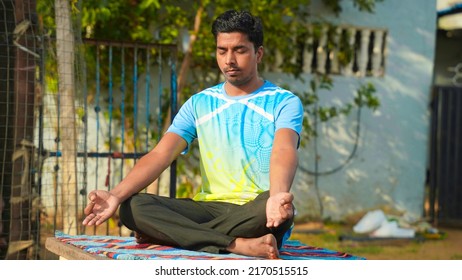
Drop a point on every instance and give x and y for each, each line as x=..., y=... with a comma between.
x=235, y=137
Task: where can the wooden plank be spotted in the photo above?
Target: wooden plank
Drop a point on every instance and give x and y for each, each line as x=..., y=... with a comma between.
x=68, y=251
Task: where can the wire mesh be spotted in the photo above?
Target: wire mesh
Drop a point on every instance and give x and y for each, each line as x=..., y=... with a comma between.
x=75, y=115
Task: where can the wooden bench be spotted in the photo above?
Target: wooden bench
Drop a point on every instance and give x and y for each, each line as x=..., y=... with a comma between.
x=69, y=252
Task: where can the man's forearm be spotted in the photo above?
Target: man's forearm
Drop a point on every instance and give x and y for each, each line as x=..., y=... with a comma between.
x=282, y=172
x=150, y=166
x=142, y=174
x=284, y=161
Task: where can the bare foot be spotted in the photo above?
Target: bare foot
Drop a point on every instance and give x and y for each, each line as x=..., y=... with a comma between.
x=143, y=238
x=265, y=247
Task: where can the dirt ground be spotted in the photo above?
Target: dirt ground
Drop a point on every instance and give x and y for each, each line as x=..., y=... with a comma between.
x=445, y=246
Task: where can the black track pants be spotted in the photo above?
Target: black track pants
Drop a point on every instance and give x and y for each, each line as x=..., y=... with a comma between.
x=198, y=225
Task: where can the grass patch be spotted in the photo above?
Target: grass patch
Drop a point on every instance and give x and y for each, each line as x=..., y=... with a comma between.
x=369, y=250
x=331, y=241
x=341, y=238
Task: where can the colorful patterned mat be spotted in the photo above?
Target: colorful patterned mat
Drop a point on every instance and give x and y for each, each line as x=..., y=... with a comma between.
x=126, y=248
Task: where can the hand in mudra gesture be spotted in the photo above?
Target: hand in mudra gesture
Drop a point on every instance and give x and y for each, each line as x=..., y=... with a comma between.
x=101, y=207
x=279, y=208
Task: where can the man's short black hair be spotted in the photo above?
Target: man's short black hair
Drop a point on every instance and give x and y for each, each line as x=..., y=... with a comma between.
x=239, y=21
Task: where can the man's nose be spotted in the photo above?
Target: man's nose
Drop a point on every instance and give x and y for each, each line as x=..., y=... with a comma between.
x=230, y=58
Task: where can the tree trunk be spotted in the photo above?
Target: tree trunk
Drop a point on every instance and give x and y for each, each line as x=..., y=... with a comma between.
x=66, y=108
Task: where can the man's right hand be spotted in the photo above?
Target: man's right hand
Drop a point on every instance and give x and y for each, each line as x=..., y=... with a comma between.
x=102, y=206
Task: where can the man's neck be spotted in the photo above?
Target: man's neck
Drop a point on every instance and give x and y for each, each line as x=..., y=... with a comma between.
x=248, y=88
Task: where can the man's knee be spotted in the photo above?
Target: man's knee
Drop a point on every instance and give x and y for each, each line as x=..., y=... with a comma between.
x=125, y=214
x=129, y=209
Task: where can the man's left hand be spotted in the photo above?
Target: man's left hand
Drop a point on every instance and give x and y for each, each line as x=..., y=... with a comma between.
x=279, y=208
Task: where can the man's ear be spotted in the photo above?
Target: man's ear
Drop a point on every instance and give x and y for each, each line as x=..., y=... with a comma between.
x=260, y=52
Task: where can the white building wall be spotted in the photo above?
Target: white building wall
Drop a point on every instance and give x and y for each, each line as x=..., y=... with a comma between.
x=388, y=169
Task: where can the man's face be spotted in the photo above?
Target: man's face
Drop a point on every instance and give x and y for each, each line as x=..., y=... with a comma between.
x=237, y=58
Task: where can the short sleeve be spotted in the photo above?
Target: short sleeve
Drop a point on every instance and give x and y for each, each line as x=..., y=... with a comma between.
x=289, y=114
x=184, y=123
